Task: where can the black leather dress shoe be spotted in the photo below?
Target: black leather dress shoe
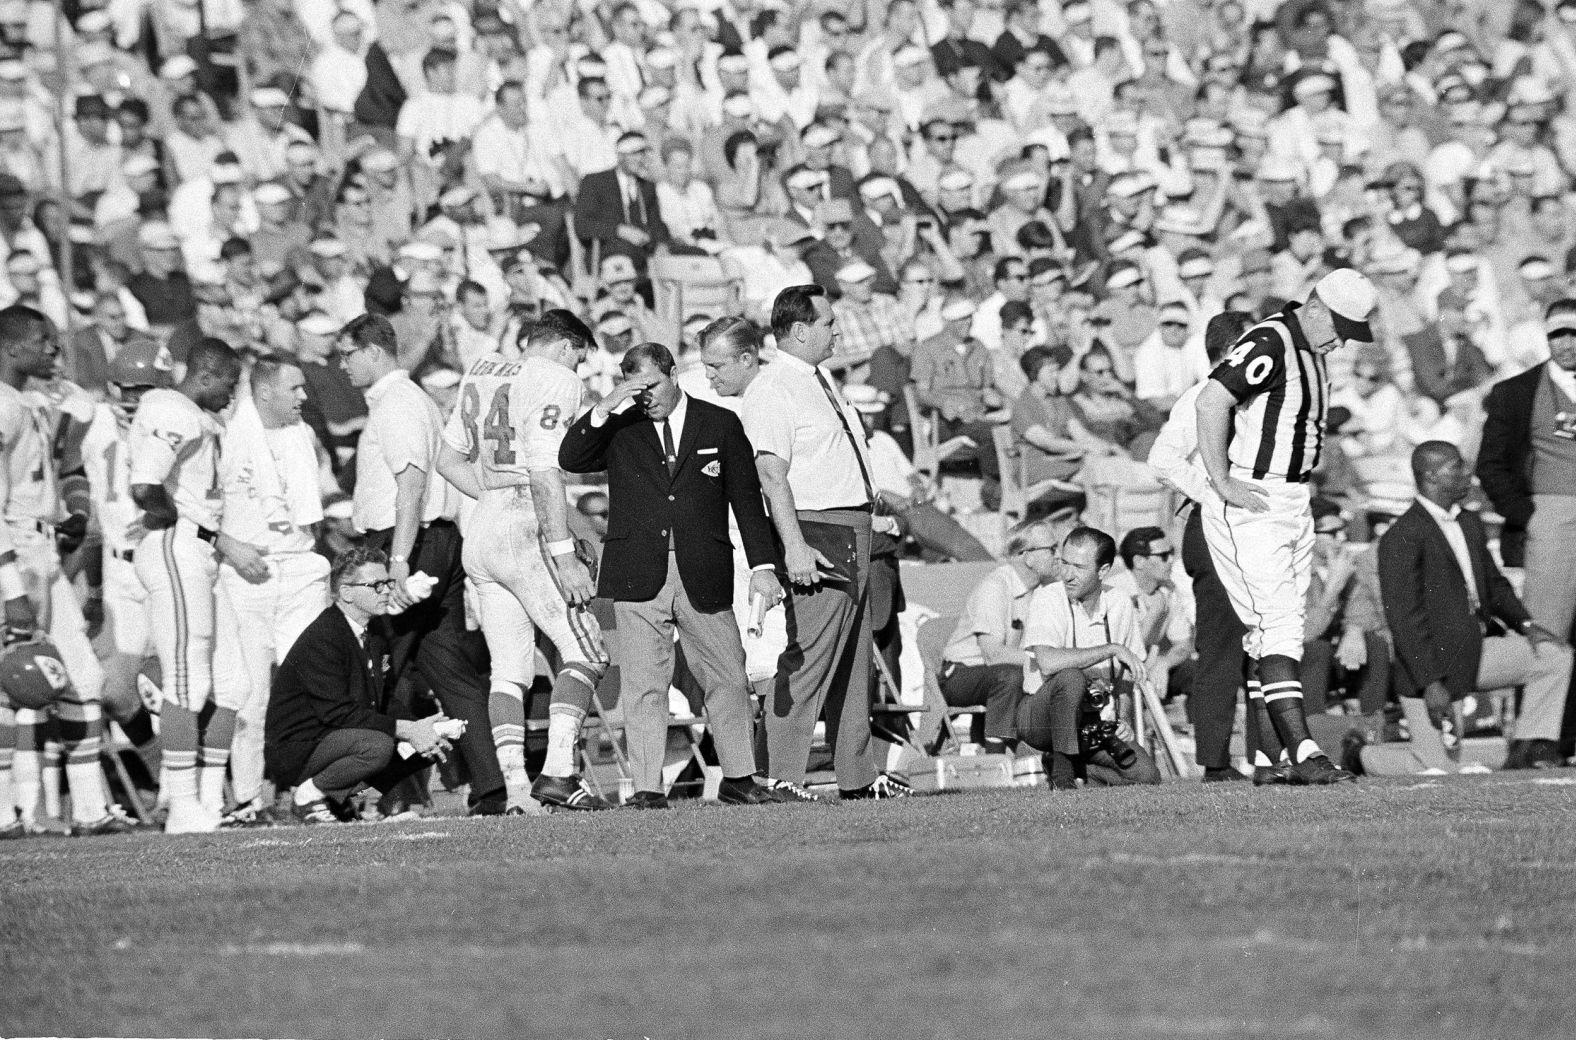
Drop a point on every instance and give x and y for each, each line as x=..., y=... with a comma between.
x=1224, y=775
x=744, y=792
x=647, y=800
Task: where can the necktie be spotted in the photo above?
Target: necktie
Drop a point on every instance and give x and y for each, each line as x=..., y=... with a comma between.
x=668, y=450
x=864, y=474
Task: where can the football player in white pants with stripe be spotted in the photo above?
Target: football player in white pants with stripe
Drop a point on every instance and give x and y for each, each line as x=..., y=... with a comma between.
x=1261, y=425
x=501, y=448
x=36, y=594
x=175, y=481
x=268, y=470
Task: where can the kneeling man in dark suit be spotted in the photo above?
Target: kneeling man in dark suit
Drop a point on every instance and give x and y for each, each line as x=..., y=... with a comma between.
x=328, y=732
x=675, y=466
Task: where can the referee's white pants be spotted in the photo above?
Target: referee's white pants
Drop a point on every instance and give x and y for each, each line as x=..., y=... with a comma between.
x=1265, y=561
x=264, y=620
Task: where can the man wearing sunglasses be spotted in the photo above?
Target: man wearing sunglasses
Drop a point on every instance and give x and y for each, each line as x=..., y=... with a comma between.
x=332, y=728
x=1147, y=554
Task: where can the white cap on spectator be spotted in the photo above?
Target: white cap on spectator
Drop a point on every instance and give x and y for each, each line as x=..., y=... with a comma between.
x=864, y=398
x=177, y=66
x=876, y=187
x=1196, y=267
x=1077, y=11
x=1330, y=133
x=789, y=232
x=226, y=173
x=318, y=324
x=1351, y=298
x=139, y=165
x=738, y=106
x=422, y=282
x=1279, y=168
x=94, y=22
x=1559, y=322
x=157, y=234
x=661, y=58
x=1023, y=180
x=591, y=67
x=654, y=96
x=379, y=160
x=909, y=56
x=786, y=61
x=1127, y=241
x=1123, y=276
x=1130, y=185
x=457, y=196
x=617, y=268
x=1394, y=261
x=421, y=252
x=733, y=63
x=269, y=97
x=855, y=271
x=819, y=135
x=1535, y=268
x=631, y=143
x=328, y=248
x=957, y=309
x=1314, y=83
x=270, y=194
x=1181, y=220
x=615, y=323
x=440, y=378
x=806, y=178
x=955, y=180
x=1052, y=140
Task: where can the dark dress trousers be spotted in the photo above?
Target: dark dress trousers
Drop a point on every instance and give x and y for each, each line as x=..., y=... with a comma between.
x=1504, y=462
x=329, y=690
x=667, y=563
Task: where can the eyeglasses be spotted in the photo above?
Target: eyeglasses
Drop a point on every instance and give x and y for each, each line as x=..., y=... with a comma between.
x=1366, y=377
x=346, y=355
x=1036, y=548
x=381, y=585
x=943, y=138
x=598, y=514
x=919, y=281
x=1014, y=276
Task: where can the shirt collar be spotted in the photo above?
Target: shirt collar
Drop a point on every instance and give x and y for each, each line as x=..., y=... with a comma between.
x=1299, y=339
x=376, y=391
x=1563, y=379
x=359, y=629
x=793, y=361
x=680, y=411
x=1444, y=516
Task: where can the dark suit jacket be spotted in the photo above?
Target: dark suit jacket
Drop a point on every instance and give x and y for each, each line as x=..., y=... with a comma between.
x=716, y=469
x=1435, y=377
x=600, y=209
x=326, y=683
x=1437, y=636
x=1504, y=462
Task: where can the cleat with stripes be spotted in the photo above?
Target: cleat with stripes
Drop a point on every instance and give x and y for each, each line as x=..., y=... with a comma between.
x=788, y=791
x=886, y=787
x=567, y=792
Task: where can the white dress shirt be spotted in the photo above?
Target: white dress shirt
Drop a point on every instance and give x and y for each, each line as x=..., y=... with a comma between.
x=1450, y=523
x=786, y=414
x=1174, y=455
x=403, y=429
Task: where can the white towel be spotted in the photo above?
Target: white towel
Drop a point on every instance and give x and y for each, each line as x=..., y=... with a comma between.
x=246, y=445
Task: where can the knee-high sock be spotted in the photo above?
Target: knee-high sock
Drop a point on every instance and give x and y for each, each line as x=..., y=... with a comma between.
x=27, y=765
x=1281, y=682
x=568, y=709
x=178, y=728
x=216, y=729
x=81, y=726
x=1264, y=746
x=506, y=709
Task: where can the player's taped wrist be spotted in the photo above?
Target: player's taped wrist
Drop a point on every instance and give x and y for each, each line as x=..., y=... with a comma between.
x=561, y=547
x=11, y=584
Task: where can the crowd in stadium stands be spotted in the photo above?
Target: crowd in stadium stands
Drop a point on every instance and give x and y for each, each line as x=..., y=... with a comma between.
x=1023, y=215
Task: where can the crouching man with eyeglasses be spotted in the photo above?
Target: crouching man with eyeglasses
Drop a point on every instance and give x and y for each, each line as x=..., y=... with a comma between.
x=329, y=731
x=1084, y=646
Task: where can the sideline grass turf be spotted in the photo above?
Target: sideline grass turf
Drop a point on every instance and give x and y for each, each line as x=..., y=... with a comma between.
x=1427, y=909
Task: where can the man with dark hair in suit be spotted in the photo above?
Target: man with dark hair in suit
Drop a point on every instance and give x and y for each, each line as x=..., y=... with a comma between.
x=618, y=207
x=331, y=727
x=675, y=466
x=1457, y=624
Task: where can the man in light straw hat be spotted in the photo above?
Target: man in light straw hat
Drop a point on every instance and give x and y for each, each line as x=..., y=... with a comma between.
x=1273, y=390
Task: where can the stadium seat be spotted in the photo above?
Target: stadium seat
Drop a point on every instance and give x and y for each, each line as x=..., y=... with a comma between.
x=1017, y=494
x=1117, y=508
x=685, y=286
x=940, y=722
x=929, y=450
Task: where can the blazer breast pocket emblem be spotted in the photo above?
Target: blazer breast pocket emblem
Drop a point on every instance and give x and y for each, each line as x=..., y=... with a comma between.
x=712, y=468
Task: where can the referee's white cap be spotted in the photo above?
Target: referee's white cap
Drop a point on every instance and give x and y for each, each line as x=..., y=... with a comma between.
x=1351, y=298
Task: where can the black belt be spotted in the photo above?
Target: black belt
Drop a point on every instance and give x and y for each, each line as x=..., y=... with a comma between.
x=123, y=555
x=208, y=534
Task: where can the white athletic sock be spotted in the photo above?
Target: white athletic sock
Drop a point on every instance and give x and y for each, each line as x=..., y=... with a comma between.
x=1307, y=749
x=87, y=790
x=50, y=777
x=306, y=792
x=180, y=781
x=563, y=730
x=26, y=782
x=506, y=705
x=1260, y=759
x=210, y=786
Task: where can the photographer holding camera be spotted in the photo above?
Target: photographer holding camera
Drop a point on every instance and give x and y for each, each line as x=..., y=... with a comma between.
x=1085, y=650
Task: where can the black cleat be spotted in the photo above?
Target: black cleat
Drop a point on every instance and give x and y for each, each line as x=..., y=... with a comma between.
x=567, y=792
x=788, y=791
x=110, y=823
x=1276, y=775
x=887, y=786
x=1228, y=775
x=744, y=792
x=1318, y=771
x=647, y=800
x=314, y=812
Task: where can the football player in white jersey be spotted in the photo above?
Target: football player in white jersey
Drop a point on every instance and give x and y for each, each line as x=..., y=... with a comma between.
x=175, y=482
x=268, y=470
x=501, y=448
x=105, y=455
x=37, y=596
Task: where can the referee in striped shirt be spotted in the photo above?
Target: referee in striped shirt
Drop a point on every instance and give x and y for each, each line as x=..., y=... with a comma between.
x=1261, y=427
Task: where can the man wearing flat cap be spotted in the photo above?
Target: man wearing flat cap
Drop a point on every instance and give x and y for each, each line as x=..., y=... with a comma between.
x=1261, y=429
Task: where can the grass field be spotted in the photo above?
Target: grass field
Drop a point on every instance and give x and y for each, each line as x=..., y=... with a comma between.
x=1425, y=909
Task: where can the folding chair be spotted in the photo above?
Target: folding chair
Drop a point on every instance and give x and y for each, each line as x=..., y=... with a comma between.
x=685, y=286
x=929, y=450
x=1017, y=494
x=1118, y=508
x=940, y=724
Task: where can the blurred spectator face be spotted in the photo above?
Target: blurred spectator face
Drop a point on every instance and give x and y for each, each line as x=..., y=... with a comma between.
x=348, y=31
x=593, y=506
x=965, y=80
x=22, y=271
x=301, y=165
x=161, y=262
x=680, y=167
x=839, y=234
x=1145, y=21
x=1049, y=377
x=1155, y=565
x=1017, y=336
x=628, y=29
x=1026, y=200
x=93, y=127
x=1124, y=143
x=313, y=349
x=1098, y=373
x=274, y=213
x=1014, y=282
x=1042, y=554
x=902, y=19
x=226, y=206
x=1173, y=333
x=279, y=399
x=1035, y=68
x=621, y=292
x=1305, y=244
x=110, y=316
x=189, y=115
x=636, y=163
x=1366, y=378
x=272, y=117
x=955, y=198
x=1562, y=348
x=240, y=268
x=861, y=291
x=424, y=303
x=594, y=102
x=133, y=129
x=919, y=283
x=941, y=141
x=841, y=73
x=475, y=310
x=966, y=240
x=354, y=206
x=1046, y=288
x=440, y=77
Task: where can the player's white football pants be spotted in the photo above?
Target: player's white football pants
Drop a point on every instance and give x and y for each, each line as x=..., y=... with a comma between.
x=180, y=572
x=1265, y=561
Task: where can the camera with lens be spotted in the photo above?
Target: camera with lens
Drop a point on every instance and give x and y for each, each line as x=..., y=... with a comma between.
x=1099, y=734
